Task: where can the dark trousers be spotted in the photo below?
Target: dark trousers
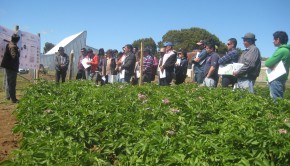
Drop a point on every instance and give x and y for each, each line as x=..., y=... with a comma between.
x=11, y=81
x=180, y=79
x=167, y=80
x=81, y=75
x=60, y=74
x=228, y=80
x=147, y=77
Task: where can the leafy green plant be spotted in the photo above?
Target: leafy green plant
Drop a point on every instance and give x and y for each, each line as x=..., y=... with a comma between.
x=77, y=123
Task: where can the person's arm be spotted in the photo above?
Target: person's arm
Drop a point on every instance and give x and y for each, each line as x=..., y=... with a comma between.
x=214, y=65
x=251, y=57
x=274, y=59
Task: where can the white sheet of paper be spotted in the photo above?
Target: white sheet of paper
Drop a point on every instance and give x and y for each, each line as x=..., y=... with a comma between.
x=178, y=61
x=122, y=74
x=163, y=74
x=277, y=72
x=229, y=68
x=104, y=78
x=84, y=63
x=138, y=74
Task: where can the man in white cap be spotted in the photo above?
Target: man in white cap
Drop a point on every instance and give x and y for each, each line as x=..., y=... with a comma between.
x=251, y=60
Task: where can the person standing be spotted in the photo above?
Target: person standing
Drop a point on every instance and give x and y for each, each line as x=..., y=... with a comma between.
x=181, y=67
x=251, y=60
x=231, y=57
x=94, y=62
x=129, y=63
x=198, y=62
x=282, y=53
x=81, y=70
x=61, y=65
x=11, y=64
x=211, y=67
x=167, y=64
x=109, y=65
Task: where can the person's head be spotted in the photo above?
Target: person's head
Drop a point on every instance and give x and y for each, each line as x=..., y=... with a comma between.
x=280, y=37
x=128, y=48
x=182, y=53
x=84, y=51
x=201, y=44
x=90, y=51
x=210, y=47
x=109, y=53
x=232, y=43
x=249, y=39
x=168, y=46
x=15, y=38
x=162, y=51
x=101, y=52
x=147, y=51
x=135, y=49
x=61, y=50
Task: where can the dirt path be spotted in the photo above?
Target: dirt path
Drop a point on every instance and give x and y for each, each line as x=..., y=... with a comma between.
x=8, y=140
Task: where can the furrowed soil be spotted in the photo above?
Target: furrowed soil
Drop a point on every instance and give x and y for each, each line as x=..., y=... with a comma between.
x=8, y=140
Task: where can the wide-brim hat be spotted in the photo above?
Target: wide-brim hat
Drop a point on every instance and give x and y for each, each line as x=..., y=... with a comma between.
x=250, y=36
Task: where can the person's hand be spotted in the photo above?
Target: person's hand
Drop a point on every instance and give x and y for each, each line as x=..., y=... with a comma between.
x=235, y=73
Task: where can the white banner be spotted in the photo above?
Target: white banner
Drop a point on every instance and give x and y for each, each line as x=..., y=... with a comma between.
x=29, y=47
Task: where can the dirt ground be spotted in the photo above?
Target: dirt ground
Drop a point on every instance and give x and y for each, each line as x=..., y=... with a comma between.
x=8, y=140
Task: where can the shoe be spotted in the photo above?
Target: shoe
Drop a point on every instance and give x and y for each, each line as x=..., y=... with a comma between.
x=15, y=101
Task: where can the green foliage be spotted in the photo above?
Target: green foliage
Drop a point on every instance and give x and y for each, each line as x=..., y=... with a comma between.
x=187, y=39
x=77, y=123
x=147, y=42
x=48, y=46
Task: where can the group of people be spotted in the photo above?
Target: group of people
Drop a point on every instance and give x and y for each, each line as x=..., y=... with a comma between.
x=124, y=67
x=207, y=63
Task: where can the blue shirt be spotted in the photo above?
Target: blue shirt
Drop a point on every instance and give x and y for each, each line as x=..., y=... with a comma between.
x=231, y=56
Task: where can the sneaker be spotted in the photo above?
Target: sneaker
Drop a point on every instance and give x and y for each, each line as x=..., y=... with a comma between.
x=15, y=101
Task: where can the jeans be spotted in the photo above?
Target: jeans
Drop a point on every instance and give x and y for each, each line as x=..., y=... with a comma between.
x=277, y=88
x=245, y=83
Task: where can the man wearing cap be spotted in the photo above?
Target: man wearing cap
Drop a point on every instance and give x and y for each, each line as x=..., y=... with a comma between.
x=61, y=65
x=198, y=62
x=282, y=53
x=167, y=64
x=251, y=60
x=10, y=62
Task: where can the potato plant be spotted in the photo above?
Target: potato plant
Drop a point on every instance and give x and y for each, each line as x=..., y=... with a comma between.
x=77, y=123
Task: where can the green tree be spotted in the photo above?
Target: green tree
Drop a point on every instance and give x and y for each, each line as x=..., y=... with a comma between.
x=187, y=39
x=48, y=46
x=147, y=42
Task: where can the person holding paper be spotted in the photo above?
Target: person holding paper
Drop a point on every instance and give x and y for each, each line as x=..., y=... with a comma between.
x=251, y=60
x=231, y=57
x=198, y=62
x=167, y=65
x=81, y=70
x=282, y=53
x=181, y=67
x=211, y=66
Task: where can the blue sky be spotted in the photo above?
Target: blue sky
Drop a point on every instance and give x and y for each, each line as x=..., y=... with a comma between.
x=114, y=23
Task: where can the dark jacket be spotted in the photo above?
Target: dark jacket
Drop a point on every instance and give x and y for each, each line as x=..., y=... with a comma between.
x=129, y=63
x=58, y=62
x=11, y=57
